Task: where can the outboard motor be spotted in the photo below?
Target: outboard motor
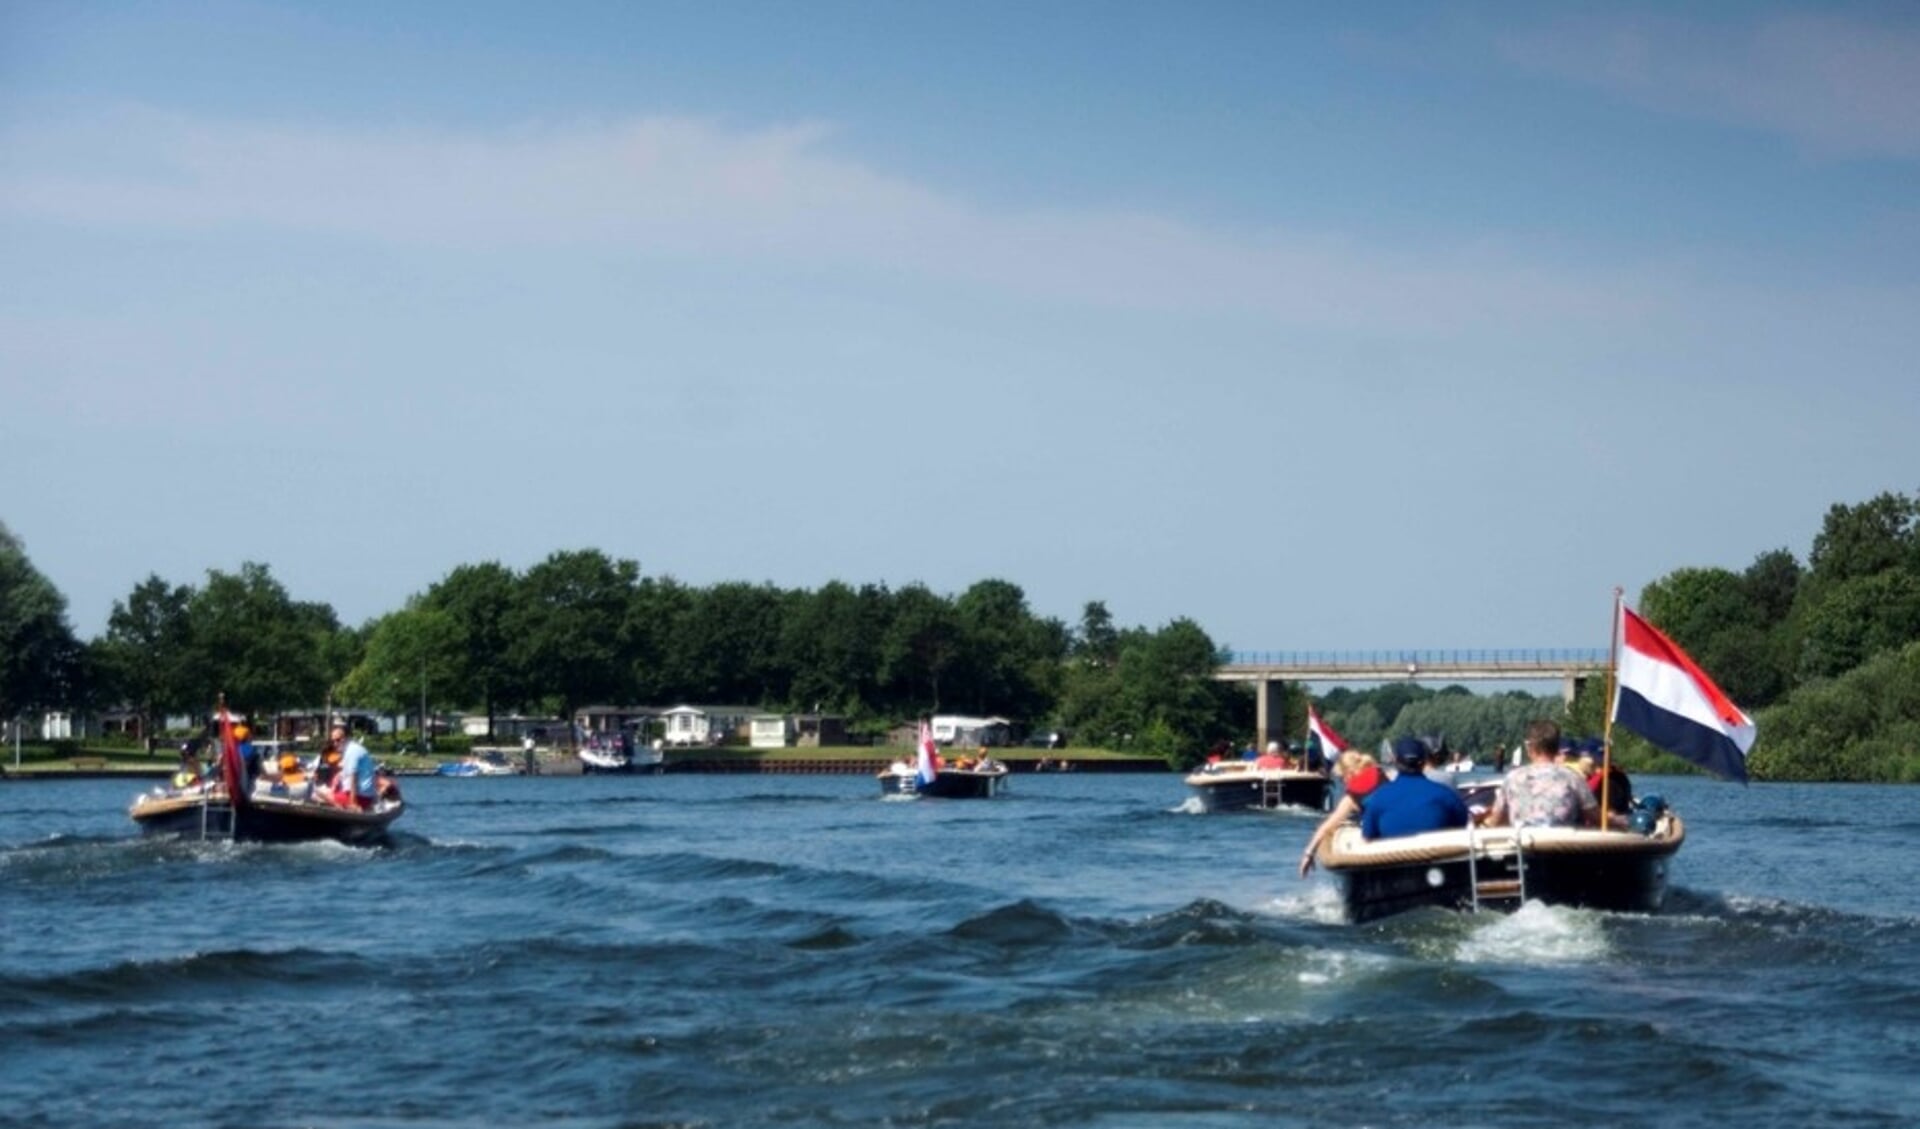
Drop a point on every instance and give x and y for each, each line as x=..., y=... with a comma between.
x=1645, y=814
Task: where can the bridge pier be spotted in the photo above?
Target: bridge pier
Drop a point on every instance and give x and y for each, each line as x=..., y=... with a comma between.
x=1270, y=711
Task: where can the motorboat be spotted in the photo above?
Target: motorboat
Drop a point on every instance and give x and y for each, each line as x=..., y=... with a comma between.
x=475, y=766
x=979, y=781
x=206, y=812
x=1499, y=868
x=1246, y=786
x=612, y=757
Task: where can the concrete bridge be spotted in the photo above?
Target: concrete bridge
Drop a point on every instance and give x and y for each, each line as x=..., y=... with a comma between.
x=1570, y=666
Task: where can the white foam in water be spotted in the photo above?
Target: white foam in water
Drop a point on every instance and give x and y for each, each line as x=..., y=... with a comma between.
x=1190, y=806
x=1536, y=933
x=1315, y=901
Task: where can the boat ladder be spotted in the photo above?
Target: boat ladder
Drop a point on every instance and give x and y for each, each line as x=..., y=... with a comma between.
x=1271, y=793
x=1503, y=886
x=216, y=822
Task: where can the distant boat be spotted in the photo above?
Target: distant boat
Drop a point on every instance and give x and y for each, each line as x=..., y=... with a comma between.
x=475, y=766
x=1245, y=786
x=978, y=782
x=621, y=757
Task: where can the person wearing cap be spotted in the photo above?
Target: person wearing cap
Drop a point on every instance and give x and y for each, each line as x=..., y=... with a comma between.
x=356, y=782
x=1273, y=757
x=1359, y=776
x=1544, y=792
x=1410, y=804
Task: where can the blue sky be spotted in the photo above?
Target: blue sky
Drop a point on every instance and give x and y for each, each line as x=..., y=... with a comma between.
x=1328, y=326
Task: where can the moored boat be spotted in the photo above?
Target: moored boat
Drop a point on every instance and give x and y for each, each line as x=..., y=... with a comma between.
x=1499, y=868
x=475, y=766
x=1244, y=786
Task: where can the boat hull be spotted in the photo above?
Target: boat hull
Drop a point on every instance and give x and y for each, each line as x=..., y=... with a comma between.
x=1618, y=871
x=948, y=784
x=264, y=820
x=1259, y=790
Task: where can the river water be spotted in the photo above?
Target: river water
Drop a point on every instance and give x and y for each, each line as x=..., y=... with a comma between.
x=795, y=951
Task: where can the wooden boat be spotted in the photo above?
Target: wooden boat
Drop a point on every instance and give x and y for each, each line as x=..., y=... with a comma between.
x=1242, y=786
x=980, y=782
x=1499, y=868
x=206, y=813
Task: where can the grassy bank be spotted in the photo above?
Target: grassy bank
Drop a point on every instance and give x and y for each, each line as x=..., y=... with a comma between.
x=68, y=759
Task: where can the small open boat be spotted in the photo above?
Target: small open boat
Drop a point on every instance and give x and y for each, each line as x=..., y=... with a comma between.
x=1475, y=868
x=979, y=782
x=206, y=813
x=475, y=766
x=1242, y=786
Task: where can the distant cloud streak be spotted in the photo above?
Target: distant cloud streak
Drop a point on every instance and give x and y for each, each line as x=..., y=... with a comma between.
x=1840, y=87
x=677, y=187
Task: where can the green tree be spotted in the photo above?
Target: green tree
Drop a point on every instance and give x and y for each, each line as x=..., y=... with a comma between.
x=830, y=640
x=148, y=651
x=479, y=600
x=41, y=663
x=918, y=649
x=569, y=628
x=1860, y=541
x=1857, y=618
x=412, y=662
x=259, y=647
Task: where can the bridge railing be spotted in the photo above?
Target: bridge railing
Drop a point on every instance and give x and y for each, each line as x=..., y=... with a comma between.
x=1534, y=658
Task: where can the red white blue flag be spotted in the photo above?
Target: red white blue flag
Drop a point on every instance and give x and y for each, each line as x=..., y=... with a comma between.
x=929, y=756
x=1663, y=696
x=232, y=772
x=1331, y=743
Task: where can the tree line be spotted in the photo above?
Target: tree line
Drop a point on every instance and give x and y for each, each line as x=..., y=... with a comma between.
x=582, y=628
x=1826, y=654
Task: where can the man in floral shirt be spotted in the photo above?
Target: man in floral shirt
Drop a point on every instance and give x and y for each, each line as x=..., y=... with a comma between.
x=1542, y=793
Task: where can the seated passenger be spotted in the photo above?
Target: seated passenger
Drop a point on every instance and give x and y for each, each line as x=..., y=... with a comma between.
x=1410, y=804
x=1605, y=777
x=1273, y=757
x=1359, y=775
x=1544, y=792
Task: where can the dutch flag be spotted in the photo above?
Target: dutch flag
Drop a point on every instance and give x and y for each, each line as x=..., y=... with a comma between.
x=1661, y=695
x=1331, y=743
x=929, y=757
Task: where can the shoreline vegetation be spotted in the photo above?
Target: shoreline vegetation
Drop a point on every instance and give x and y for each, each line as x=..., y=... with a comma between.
x=43, y=762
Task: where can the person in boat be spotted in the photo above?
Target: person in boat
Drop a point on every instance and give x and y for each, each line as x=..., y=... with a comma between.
x=1544, y=792
x=1359, y=774
x=191, y=772
x=355, y=786
x=1590, y=756
x=1410, y=804
x=1273, y=757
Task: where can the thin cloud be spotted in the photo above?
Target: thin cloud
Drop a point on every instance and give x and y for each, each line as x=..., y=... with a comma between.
x=1838, y=86
x=672, y=188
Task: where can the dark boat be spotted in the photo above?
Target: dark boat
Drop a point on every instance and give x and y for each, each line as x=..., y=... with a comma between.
x=1240, y=786
x=1499, y=868
x=207, y=814
x=977, y=783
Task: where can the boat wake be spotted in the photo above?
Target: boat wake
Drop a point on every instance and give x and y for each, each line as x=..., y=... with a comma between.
x=1537, y=934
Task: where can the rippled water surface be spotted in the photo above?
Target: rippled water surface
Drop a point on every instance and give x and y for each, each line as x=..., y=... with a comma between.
x=1085, y=951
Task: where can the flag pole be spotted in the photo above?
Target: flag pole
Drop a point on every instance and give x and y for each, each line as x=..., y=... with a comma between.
x=1606, y=739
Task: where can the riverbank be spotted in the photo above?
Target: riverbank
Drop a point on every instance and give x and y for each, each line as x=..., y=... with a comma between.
x=845, y=761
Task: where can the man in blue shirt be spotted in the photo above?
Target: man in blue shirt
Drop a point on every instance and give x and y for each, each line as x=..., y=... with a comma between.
x=1410, y=803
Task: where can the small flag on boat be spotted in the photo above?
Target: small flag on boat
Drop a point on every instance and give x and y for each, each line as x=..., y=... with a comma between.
x=1331, y=743
x=1661, y=694
x=929, y=756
